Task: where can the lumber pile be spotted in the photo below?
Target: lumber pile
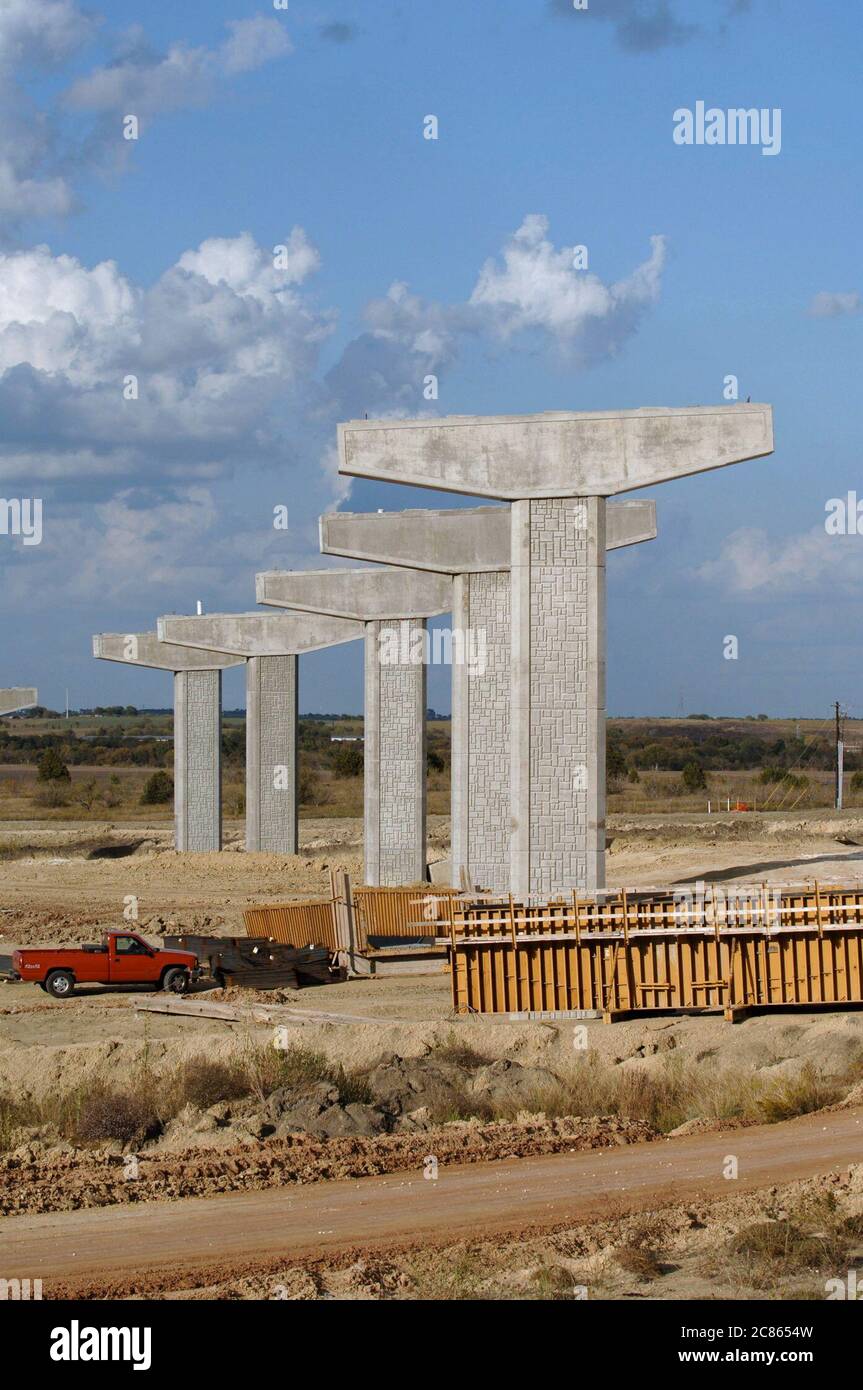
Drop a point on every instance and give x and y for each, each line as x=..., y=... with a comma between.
x=259, y=963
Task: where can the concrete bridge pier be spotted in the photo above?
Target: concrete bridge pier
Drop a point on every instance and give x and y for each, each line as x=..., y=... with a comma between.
x=270, y=644
x=197, y=729
x=556, y=469
x=393, y=605
x=473, y=544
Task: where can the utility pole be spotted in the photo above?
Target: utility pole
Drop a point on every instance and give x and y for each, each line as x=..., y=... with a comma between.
x=840, y=757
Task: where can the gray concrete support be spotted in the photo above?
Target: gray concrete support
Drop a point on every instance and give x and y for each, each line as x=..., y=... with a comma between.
x=197, y=760
x=473, y=544
x=271, y=643
x=558, y=696
x=19, y=697
x=394, y=821
x=557, y=469
x=197, y=728
x=481, y=735
x=271, y=754
x=393, y=604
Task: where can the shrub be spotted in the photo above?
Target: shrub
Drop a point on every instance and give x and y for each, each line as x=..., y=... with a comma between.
x=349, y=760
x=204, y=1083
x=158, y=788
x=458, y=1052
x=313, y=790
x=52, y=796
x=126, y=1116
x=694, y=779
x=798, y=1095
x=52, y=767
x=88, y=794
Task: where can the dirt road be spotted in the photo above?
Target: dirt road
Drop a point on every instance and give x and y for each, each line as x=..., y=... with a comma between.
x=165, y=1245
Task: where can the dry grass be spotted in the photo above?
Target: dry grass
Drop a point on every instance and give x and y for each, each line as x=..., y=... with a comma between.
x=663, y=1098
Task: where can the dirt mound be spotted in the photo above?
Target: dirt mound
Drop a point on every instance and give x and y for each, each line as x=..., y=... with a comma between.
x=35, y=1180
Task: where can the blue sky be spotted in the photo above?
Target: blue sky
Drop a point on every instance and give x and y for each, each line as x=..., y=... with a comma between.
x=261, y=127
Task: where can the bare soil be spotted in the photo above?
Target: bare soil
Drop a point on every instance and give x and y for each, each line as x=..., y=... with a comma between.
x=57, y=885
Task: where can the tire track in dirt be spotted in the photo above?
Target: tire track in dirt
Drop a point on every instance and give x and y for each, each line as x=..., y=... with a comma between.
x=164, y=1245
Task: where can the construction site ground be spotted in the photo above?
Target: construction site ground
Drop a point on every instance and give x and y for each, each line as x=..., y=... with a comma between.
x=527, y=1207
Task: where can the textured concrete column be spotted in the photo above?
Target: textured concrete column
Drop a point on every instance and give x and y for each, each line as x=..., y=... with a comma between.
x=271, y=754
x=393, y=604
x=473, y=544
x=558, y=695
x=395, y=754
x=270, y=643
x=198, y=760
x=481, y=735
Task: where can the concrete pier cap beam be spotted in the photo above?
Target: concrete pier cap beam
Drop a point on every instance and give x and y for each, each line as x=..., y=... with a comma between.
x=557, y=469
x=394, y=605
x=258, y=634
x=458, y=540
x=18, y=697
x=271, y=644
x=363, y=595
x=197, y=728
x=556, y=454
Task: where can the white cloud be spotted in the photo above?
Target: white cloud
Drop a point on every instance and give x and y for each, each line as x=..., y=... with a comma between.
x=34, y=37
x=828, y=304
x=537, y=287
x=812, y=561
x=144, y=84
x=173, y=488
x=252, y=43
x=219, y=345
x=533, y=289
x=43, y=33
x=37, y=150
x=244, y=267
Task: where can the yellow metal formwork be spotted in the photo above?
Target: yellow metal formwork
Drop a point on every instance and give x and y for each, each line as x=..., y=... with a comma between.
x=299, y=924
x=417, y=912
x=636, y=952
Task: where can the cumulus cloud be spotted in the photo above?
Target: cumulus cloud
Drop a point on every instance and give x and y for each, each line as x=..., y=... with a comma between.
x=828, y=304
x=143, y=83
x=34, y=38
x=532, y=289
x=154, y=488
x=40, y=153
x=537, y=287
x=750, y=563
x=215, y=345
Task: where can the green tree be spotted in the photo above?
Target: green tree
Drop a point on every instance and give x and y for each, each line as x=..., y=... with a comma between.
x=158, y=788
x=348, y=760
x=694, y=779
x=52, y=767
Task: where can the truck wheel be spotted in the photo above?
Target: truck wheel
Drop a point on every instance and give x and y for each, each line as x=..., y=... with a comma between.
x=60, y=984
x=176, y=980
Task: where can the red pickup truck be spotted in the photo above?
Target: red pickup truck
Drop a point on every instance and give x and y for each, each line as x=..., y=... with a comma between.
x=122, y=958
